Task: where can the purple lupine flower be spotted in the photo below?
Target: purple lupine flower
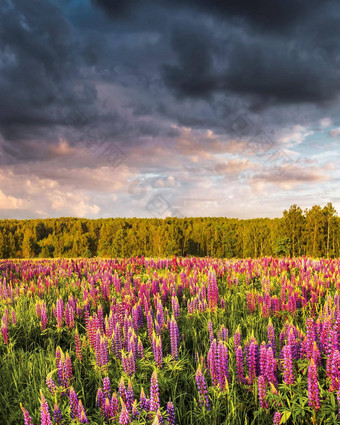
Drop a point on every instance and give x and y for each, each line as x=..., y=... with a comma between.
x=239, y=365
x=237, y=338
x=50, y=383
x=223, y=333
x=154, y=393
x=81, y=414
x=335, y=371
x=313, y=386
x=202, y=389
x=100, y=398
x=134, y=410
x=27, y=417
x=67, y=367
x=124, y=418
x=271, y=367
x=174, y=338
x=57, y=416
x=252, y=361
x=78, y=346
x=288, y=375
x=104, y=352
x=114, y=405
x=213, y=363
x=74, y=402
x=129, y=396
x=157, y=349
x=310, y=336
x=107, y=387
x=142, y=400
x=45, y=416
x=170, y=410
x=132, y=363
x=263, y=358
x=277, y=418
x=122, y=389
x=223, y=361
x=262, y=391
x=14, y=319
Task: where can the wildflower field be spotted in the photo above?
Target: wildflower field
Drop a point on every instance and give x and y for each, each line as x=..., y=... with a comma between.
x=170, y=341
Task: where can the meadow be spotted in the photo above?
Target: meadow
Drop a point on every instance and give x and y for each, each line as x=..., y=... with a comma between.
x=170, y=341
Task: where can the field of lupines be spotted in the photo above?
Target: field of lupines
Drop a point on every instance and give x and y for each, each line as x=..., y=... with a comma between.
x=170, y=341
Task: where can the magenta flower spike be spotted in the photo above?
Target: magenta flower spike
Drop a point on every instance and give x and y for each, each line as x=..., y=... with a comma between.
x=45, y=416
x=277, y=418
x=74, y=402
x=27, y=417
x=154, y=393
x=288, y=375
x=124, y=418
x=60, y=312
x=82, y=414
x=261, y=382
x=4, y=331
x=50, y=383
x=313, y=386
x=239, y=364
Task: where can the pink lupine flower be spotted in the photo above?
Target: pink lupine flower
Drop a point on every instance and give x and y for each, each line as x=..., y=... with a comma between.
x=74, y=402
x=288, y=375
x=277, y=418
x=45, y=416
x=313, y=386
x=27, y=417
x=107, y=387
x=14, y=319
x=50, y=383
x=124, y=418
x=4, y=331
x=262, y=391
x=154, y=393
x=60, y=312
x=81, y=414
x=239, y=365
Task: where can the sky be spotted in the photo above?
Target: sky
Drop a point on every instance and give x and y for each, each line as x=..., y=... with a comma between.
x=158, y=108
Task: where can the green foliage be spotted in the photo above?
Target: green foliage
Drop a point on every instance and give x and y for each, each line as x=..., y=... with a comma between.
x=314, y=232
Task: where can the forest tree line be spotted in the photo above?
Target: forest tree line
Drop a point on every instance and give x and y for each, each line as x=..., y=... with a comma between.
x=313, y=232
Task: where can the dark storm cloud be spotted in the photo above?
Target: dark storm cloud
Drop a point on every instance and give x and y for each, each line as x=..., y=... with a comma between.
x=274, y=15
x=39, y=67
x=193, y=76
